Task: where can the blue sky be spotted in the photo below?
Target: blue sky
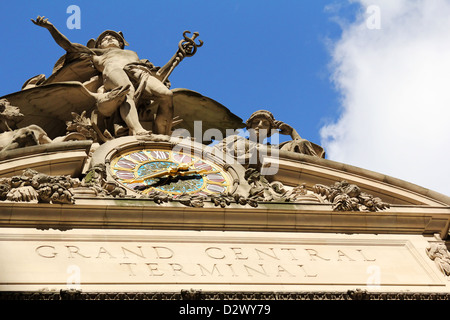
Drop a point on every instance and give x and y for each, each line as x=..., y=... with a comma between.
x=256, y=54
x=314, y=63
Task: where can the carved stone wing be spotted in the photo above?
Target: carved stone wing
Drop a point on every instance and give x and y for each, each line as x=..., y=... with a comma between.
x=50, y=106
x=192, y=106
x=72, y=68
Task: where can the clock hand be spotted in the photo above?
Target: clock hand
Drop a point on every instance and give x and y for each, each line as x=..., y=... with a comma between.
x=171, y=171
x=183, y=175
x=158, y=174
x=174, y=179
x=186, y=173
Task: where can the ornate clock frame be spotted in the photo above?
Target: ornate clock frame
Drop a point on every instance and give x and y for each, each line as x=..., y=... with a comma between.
x=110, y=153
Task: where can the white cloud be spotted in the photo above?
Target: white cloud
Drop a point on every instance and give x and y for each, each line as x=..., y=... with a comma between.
x=395, y=88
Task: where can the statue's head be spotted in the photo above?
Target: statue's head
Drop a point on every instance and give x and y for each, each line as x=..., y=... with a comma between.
x=108, y=39
x=261, y=120
x=9, y=111
x=4, y=104
x=9, y=116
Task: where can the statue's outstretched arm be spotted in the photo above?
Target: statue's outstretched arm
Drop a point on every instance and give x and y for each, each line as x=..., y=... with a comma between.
x=59, y=38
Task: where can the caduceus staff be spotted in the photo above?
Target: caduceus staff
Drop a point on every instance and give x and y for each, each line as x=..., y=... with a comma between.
x=186, y=48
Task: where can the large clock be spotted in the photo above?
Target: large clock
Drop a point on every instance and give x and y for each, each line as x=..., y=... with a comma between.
x=150, y=169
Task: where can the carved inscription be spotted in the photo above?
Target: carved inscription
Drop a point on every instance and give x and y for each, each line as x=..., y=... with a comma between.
x=238, y=262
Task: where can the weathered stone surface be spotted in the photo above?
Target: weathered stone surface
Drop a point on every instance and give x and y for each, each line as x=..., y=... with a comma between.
x=168, y=261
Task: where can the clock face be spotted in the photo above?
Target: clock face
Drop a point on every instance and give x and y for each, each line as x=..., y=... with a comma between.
x=147, y=170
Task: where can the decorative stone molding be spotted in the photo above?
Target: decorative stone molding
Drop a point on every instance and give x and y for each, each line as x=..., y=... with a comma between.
x=198, y=201
x=261, y=190
x=191, y=294
x=33, y=186
x=191, y=200
x=158, y=197
x=300, y=194
x=224, y=200
x=345, y=196
x=221, y=296
x=96, y=182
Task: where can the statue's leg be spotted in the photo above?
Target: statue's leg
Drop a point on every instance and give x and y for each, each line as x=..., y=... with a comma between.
x=164, y=97
x=128, y=111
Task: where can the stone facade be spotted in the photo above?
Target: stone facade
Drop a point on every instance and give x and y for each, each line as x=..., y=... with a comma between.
x=95, y=206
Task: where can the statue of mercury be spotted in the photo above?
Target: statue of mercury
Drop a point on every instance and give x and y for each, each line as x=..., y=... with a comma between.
x=111, y=59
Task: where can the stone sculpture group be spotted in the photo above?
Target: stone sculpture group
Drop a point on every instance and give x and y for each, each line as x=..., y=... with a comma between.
x=106, y=89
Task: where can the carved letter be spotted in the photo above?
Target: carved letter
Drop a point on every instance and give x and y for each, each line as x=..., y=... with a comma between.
x=202, y=268
x=238, y=253
x=282, y=269
x=274, y=256
x=313, y=253
x=232, y=270
x=154, y=267
x=306, y=272
x=176, y=267
x=207, y=251
x=289, y=250
x=102, y=250
x=129, y=268
x=52, y=254
x=263, y=272
x=137, y=254
x=76, y=249
x=168, y=255
x=365, y=259
x=342, y=254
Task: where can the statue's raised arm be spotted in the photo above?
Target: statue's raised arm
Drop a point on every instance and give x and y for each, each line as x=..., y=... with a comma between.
x=264, y=121
x=59, y=38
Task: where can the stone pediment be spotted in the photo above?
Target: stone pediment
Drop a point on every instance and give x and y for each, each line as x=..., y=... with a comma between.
x=295, y=167
x=409, y=209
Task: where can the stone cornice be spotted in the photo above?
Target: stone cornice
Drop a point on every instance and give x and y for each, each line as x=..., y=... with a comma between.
x=285, y=217
x=325, y=168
